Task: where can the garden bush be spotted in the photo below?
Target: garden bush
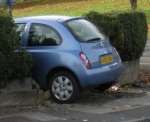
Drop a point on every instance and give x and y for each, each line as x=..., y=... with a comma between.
x=15, y=63
x=127, y=31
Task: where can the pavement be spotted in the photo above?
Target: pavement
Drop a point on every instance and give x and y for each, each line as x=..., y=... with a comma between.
x=145, y=59
x=128, y=105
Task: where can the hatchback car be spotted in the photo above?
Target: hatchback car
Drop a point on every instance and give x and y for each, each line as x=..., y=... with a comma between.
x=69, y=53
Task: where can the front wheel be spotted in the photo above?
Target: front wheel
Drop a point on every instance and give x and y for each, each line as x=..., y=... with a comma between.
x=64, y=87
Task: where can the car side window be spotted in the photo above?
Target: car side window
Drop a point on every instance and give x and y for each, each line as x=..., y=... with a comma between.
x=43, y=35
x=20, y=27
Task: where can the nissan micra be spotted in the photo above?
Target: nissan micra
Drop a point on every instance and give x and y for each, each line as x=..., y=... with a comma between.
x=69, y=54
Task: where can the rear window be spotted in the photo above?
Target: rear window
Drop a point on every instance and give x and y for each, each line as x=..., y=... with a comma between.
x=84, y=30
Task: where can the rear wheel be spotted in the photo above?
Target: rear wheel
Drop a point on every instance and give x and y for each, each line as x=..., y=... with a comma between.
x=64, y=87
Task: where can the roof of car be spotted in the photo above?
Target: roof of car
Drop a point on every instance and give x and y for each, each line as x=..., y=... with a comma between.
x=46, y=18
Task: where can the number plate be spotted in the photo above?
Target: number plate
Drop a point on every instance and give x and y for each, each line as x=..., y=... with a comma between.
x=106, y=59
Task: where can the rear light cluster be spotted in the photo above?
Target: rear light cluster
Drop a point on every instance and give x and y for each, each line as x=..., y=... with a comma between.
x=85, y=60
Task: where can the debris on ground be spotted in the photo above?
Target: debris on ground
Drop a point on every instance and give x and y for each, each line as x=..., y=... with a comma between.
x=145, y=77
x=85, y=120
x=114, y=88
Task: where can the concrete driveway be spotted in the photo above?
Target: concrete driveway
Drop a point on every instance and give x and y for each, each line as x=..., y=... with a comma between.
x=129, y=105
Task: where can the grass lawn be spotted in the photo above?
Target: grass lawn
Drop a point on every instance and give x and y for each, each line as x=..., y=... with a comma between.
x=77, y=7
x=73, y=8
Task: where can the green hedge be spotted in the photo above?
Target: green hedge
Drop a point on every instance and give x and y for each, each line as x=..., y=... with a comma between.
x=13, y=64
x=127, y=31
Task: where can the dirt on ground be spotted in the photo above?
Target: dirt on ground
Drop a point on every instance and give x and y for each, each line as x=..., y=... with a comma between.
x=144, y=77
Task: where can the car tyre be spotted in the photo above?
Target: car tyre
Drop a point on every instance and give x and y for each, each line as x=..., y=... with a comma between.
x=63, y=87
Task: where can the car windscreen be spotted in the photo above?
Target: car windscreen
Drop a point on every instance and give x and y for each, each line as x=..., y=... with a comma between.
x=84, y=30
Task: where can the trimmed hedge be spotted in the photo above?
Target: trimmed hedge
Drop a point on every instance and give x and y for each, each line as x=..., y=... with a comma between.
x=13, y=64
x=127, y=31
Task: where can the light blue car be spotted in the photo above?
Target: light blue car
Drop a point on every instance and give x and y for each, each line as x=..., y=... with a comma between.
x=69, y=54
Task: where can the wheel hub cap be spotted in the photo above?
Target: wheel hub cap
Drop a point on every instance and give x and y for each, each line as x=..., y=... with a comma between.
x=62, y=88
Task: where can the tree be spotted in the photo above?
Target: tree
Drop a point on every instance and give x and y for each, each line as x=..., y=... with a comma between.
x=133, y=4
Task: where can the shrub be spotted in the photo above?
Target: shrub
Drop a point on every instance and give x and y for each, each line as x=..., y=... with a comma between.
x=127, y=31
x=135, y=34
x=13, y=64
x=3, y=71
x=21, y=65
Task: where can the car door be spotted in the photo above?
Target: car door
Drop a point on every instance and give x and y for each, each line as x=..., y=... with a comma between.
x=42, y=43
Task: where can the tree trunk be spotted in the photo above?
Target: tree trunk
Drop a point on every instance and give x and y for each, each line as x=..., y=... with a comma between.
x=133, y=4
x=130, y=73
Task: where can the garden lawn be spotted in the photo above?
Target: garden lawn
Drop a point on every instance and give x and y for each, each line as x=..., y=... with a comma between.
x=77, y=7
